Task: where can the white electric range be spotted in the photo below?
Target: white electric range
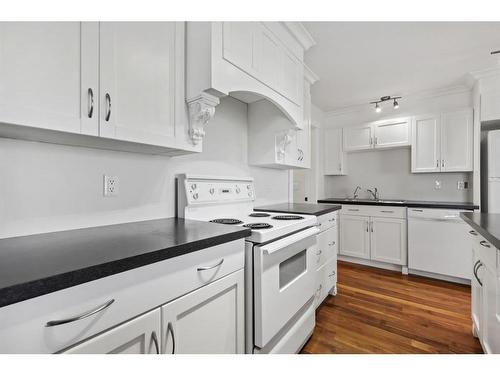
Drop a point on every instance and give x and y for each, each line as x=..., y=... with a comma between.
x=279, y=259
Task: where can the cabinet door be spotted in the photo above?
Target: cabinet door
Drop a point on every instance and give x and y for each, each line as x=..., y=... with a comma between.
x=46, y=69
x=209, y=320
x=358, y=138
x=354, y=236
x=490, y=105
x=456, y=141
x=388, y=240
x=138, y=336
x=333, y=152
x=491, y=317
x=304, y=134
x=239, y=42
x=291, y=77
x=392, y=133
x=476, y=296
x=292, y=155
x=138, y=66
x=425, y=147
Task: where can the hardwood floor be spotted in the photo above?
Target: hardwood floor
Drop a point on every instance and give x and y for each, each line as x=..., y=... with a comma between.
x=380, y=311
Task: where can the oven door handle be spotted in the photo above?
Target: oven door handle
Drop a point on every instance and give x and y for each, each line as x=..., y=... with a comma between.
x=289, y=240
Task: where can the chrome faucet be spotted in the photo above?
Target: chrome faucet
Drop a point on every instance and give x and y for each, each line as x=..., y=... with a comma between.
x=373, y=192
x=355, y=195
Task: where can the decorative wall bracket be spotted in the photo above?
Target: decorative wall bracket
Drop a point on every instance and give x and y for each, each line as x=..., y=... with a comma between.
x=201, y=111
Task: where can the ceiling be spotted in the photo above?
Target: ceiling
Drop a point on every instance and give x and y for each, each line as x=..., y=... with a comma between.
x=358, y=62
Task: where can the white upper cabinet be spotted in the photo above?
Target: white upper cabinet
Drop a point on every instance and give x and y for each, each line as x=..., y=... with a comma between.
x=489, y=88
x=379, y=134
x=138, y=89
x=358, y=137
x=333, y=151
x=392, y=133
x=456, y=141
x=425, y=151
x=250, y=61
x=120, y=81
x=442, y=142
x=46, y=69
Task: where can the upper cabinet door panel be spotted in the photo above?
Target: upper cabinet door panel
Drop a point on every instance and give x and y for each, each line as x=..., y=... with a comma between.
x=425, y=150
x=490, y=105
x=291, y=74
x=456, y=141
x=392, y=133
x=358, y=138
x=269, y=58
x=40, y=74
x=239, y=44
x=138, y=89
x=333, y=152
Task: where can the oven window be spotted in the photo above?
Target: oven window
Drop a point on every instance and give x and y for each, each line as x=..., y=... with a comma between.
x=292, y=268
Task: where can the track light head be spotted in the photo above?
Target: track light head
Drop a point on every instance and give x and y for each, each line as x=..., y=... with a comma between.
x=396, y=104
x=377, y=108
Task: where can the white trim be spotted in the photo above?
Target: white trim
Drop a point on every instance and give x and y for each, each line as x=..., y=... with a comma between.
x=310, y=76
x=425, y=94
x=300, y=33
x=484, y=73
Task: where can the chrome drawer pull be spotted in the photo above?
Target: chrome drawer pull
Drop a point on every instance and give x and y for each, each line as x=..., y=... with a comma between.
x=81, y=316
x=108, y=105
x=210, y=267
x=170, y=329
x=484, y=243
x=155, y=341
x=90, y=104
x=331, y=243
x=331, y=220
x=418, y=210
x=352, y=209
x=474, y=233
x=387, y=212
x=319, y=252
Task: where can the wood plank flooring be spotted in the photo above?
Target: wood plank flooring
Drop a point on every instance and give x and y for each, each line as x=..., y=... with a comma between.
x=380, y=311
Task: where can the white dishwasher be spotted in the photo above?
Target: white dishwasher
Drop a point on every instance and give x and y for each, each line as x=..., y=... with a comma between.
x=438, y=242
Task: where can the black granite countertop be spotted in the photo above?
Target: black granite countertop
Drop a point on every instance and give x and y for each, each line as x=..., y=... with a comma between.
x=403, y=203
x=487, y=225
x=32, y=266
x=300, y=208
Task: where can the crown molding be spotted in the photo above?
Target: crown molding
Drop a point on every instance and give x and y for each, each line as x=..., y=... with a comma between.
x=301, y=34
x=425, y=94
x=484, y=73
x=309, y=75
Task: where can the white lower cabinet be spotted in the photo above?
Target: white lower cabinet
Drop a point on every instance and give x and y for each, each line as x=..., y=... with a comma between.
x=355, y=236
x=208, y=320
x=485, y=304
x=374, y=233
x=388, y=240
x=138, y=336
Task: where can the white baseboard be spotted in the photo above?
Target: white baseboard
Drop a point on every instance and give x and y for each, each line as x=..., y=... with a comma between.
x=438, y=276
x=371, y=263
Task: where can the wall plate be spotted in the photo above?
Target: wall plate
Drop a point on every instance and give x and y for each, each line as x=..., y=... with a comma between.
x=110, y=185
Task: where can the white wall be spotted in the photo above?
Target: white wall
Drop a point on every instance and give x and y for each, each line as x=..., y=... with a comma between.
x=389, y=170
x=45, y=187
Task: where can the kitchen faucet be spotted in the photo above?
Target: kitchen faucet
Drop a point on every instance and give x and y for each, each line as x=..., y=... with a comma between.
x=373, y=192
x=355, y=195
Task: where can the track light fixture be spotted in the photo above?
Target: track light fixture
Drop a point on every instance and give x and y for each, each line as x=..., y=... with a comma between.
x=395, y=103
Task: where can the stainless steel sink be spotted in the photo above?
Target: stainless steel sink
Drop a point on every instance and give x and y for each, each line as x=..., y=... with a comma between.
x=374, y=200
x=390, y=201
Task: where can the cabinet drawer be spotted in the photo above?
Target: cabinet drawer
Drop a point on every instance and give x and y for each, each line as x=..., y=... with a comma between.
x=327, y=221
x=23, y=325
x=327, y=245
x=487, y=252
x=326, y=278
x=378, y=211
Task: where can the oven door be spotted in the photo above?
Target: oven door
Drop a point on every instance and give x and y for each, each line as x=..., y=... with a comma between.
x=283, y=282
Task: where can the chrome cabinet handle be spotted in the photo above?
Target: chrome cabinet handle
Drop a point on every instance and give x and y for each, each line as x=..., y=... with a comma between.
x=442, y=163
x=155, y=341
x=371, y=227
x=387, y=212
x=331, y=243
x=318, y=225
x=371, y=141
x=170, y=329
x=474, y=233
x=437, y=163
x=367, y=226
x=319, y=252
x=375, y=140
x=476, y=271
x=90, y=102
x=418, y=210
x=340, y=167
x=353, y=209
x=484, y=243
x=331, y=220
x=210, y=267
x=108, y=105
x=105, y=305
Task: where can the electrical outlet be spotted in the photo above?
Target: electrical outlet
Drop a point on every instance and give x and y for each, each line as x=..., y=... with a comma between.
x=111, y=185
x=437, y=185
x=462, y=185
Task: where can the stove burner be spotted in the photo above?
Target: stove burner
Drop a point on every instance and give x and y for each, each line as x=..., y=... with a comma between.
x=259, y=214
x=287, y=217
x=258, y=226
x=226, y=221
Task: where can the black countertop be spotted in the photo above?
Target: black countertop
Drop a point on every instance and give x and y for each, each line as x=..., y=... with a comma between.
x=487, y=225
x=301, y=208
x=32, y=266
x=404, y=203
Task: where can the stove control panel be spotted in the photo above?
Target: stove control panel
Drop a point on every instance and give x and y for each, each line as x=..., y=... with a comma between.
x=204, y=191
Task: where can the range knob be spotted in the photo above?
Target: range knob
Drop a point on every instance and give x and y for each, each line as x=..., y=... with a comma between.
x=238, y=190
x=212, y=191
x=195, y=196
x=249, y=187
x=193, y=186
